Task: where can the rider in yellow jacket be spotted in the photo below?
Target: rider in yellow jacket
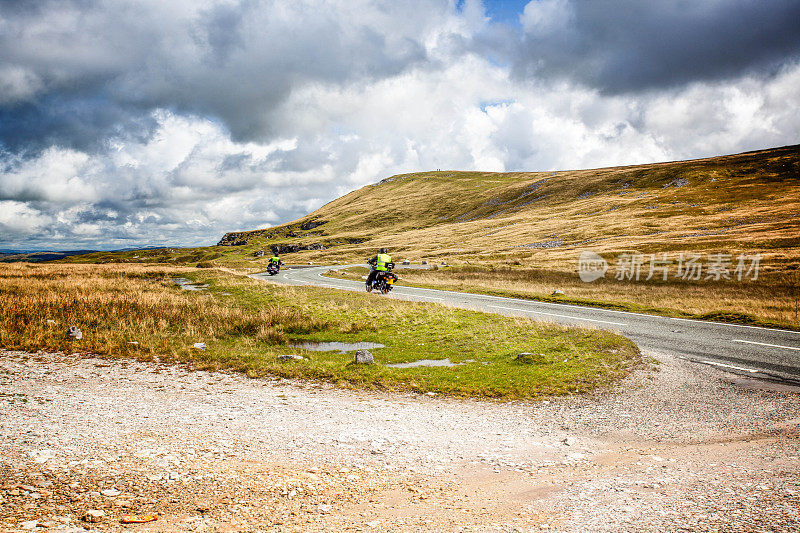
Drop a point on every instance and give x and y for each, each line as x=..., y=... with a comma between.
x=378, y=263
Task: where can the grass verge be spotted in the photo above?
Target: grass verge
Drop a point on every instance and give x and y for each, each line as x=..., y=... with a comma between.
x=137, y=311
x=772, y=303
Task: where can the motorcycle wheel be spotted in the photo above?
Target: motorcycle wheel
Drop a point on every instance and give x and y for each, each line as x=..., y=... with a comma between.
x=369, y=288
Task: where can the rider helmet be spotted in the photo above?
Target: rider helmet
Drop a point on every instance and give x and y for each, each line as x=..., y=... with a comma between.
x=383, y=250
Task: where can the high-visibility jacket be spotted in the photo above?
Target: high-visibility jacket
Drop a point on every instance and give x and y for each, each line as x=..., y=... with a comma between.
x=275, y=259
x=380, y=264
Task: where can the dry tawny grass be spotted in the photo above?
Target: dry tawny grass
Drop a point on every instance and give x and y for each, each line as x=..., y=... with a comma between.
x=116, y=306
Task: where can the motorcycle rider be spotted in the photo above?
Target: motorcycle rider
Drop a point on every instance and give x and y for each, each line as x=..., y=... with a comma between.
x=275, y=259
x=379, y=262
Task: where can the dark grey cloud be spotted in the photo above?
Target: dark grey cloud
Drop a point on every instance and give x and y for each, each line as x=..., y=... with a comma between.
x=74, y=68
x=71, y=121
x=631, y=45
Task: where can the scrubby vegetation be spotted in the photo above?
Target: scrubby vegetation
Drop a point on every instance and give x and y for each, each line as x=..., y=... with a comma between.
x=138, y=311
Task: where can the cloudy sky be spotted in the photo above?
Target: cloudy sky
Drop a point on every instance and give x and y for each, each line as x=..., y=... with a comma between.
x=126, y=123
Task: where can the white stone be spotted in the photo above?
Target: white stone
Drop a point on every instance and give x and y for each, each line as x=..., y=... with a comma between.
x=94, y=516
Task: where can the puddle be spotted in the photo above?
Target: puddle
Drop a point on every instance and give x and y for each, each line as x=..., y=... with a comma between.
x=427, y=362
x=343, y=347
x=187, y=285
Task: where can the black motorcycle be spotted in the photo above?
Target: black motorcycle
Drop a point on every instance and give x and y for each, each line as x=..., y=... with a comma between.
x=384, y=280
x=273, y=268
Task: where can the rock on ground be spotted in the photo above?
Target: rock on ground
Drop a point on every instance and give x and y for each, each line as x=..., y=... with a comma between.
x=364, y=357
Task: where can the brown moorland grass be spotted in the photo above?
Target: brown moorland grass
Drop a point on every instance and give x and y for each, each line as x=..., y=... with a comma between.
x=117, y=306
x=137, y=311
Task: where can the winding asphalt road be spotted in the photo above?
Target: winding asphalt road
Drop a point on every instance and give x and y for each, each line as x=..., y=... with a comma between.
x=748, y=350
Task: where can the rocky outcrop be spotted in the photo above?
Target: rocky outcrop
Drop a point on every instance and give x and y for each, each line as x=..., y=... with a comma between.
x=234, y=239
x=311, y=224
x=292, y=248
x=240, y=238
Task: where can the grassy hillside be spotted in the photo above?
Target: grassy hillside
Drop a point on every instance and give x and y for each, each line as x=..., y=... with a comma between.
x=520, y=234
x=747, y=202
x=740, y=203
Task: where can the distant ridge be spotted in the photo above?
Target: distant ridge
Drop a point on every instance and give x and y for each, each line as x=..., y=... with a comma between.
x=37, y=256
x=12, y=256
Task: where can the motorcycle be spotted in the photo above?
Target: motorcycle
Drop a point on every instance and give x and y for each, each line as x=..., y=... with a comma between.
x=273, y=268
x=384, y=280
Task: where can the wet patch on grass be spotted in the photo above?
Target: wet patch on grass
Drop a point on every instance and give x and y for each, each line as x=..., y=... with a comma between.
x=334, y=346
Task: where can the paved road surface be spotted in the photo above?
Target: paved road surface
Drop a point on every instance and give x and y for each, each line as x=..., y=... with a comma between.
x=754, y=351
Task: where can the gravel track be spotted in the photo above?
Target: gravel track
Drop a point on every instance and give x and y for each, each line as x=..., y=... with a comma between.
x=675, y=447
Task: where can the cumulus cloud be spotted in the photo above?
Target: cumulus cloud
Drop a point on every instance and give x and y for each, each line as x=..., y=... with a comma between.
x=175, y=183
x=126, y=124
x=92, y=64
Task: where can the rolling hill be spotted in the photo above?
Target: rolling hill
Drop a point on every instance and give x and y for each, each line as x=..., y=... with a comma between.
x=748, y=202
x=744, y=203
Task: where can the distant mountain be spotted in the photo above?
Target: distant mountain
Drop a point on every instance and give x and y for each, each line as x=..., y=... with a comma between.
x=14, y=256
x=37, y=256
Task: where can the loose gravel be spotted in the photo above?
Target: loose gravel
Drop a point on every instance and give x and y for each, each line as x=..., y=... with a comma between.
x=676, y=447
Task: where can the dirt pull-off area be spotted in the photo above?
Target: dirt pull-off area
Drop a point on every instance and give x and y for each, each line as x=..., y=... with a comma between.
x=675, y=447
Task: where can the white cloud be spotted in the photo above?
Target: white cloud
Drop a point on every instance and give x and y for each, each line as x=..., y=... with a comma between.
x=544, y=18
x=21, y=220
x=57, y=176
